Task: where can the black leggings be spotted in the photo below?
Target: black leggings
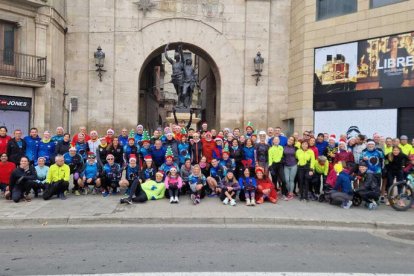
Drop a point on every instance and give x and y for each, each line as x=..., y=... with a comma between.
x=276, y=170
x=136, y=189
x=21, y=189
x=55, y=188
x=173, y=191
x=303, y=178
x=223, y=194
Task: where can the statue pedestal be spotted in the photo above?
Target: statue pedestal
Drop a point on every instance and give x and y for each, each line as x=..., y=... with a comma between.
x=183, y=114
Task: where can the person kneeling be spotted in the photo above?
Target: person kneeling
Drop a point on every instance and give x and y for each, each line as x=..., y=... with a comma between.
x=265, y=188
x=57, y=180
x=368, y=187
x=343, y=192
x=229, y=187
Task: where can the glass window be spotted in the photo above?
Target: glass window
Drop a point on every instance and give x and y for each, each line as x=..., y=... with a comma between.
x=8, y=44
x=380, y=3
x=332, y=8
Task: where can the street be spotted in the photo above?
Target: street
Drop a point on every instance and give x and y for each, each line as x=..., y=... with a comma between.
x=123, y=249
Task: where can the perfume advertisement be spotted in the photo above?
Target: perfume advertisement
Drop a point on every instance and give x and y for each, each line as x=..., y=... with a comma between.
x=378, y=63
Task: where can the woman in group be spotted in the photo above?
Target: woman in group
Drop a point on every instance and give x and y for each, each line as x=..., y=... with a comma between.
x=249, y=154
x=396, y=163
x=306, y=163
x=148, y=170
x=117, y=151
x=290, y=165
x=312, y=146
x=22, y=180
x=247, y=188
x=197, y=182
x=229, y=188
x=265, y=188
x=131, y=173
x=41, y=172
x=63, y=146
x=82, y=146
x=149, y=190
x=236, y=154
x=112, y=173
x=173, y=184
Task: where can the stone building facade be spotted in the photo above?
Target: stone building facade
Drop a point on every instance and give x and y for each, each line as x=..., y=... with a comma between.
x=225, y=34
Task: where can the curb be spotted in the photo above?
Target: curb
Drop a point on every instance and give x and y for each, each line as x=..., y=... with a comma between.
x=73, y=221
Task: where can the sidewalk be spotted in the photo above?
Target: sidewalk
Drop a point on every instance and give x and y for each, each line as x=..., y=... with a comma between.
x=94, y=209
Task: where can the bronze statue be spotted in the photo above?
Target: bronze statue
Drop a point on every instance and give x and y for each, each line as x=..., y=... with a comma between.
x=177, y=69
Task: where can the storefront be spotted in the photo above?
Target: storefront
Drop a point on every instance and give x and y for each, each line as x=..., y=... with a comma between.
x=372, y=80
x=15, y=113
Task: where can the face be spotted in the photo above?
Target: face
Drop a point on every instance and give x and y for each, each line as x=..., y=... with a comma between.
x=214, y=162
x=396, y=151
x=46, y=135
x=362, y=169
x=140, y=129
x=81, y=138
x=91, y=160
x=296, y=135
x=404, y=141
x=312, y=142
x=60, y=161
x=248, y=142
x=41, y=162
x=341, y=146
x=177, y=129
x=82, y=130
x=158, y=144
x=196, y=170
x=291, y=141
x=196, y=136
x=262, y=137
x=203, y=159
x=94, y=135
x=331, y=142
x=236, y=132
x=242, y=139
x=270, y=131
x=325, y=136
x=148, y=163
x=190, y=132
x=204, y=126
x=304, y=146
x=133, y=163
x=246, y=172
x=156, y=133
x=305, y=135
x=110, y=160
x=66, y=138
x=396, y=142
x=230, y=175
x=18, y=134
x=394, y=43
x=3, y=131
x=213, y=132
x=59, y=131
x=3, y=157
x=259, y=175
x=320, y=138
x=169, y=160
x=188, y=163
x=184, y=139
x=278, y=131
x=124, y=132
x=109, y=134
x=370, y=147
x=254, y=139
x=276, y=141
x=72, y=152
x=158, y=177
x=131, y=142
x=388, y=142
x=33, y=133
x=24, y=162
x=115, y=142
x=234, y=143
x=219, y=142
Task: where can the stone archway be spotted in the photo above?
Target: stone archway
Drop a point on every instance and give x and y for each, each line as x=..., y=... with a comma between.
x=212, y=45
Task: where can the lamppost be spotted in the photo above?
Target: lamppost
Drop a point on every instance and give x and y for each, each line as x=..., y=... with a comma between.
x=258, y=66
x=99, y=56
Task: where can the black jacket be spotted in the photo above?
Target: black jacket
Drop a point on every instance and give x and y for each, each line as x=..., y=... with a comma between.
x=62, y=147
x=14, y=152
x=19, y=175
x=368, y=183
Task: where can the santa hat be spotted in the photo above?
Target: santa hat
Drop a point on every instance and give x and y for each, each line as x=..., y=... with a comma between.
x=259, y=169
x=342, y=141
x=110, y=131
x=72, y=149
x=218, y=139
x=145, y=137
x=332, y=137
x=208, y=133
x=148, y=158
x=132, y=156
x=160, y=173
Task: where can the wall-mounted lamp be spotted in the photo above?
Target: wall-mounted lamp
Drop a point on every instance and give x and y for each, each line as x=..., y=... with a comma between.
x=99, y=56
x=258, y=66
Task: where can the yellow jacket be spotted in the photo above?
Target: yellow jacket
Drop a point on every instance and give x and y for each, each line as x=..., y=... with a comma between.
x=57, y=173
x=322, y=169
x=306, y=157
x=275, y=154
x=406, y=149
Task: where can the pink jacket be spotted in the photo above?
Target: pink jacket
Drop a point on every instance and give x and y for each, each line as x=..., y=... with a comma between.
x=173, y=181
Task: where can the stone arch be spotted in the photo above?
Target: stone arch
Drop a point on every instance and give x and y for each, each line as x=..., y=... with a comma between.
x=208, y=42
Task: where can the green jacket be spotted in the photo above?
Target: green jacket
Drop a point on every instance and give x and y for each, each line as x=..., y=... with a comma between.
x=275, y=154
x=153, y=189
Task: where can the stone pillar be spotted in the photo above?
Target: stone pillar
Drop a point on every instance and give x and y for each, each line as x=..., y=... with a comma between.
x=257, y=39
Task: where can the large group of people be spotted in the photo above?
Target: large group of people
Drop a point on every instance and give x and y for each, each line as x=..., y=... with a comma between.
x=252, y=166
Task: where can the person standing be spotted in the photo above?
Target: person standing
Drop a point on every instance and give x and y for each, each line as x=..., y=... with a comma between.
x=63, y=146
x=276, y=166
x=16, y=147
x=306, y=165
x=290, y=166
x=46, y=148
x=4, y=139
x=6, y=169
x=32, y=145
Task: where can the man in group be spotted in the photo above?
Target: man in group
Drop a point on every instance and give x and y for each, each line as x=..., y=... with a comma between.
x=321, y=144
x=123, y=138
x=60, y=132
x=217, y=173
x=368, y=187
x=32, y=145
x=404, y=146
x=4, y=139
x=374, y=159
x=16, y=147
x=57, y=180
x=138, y=135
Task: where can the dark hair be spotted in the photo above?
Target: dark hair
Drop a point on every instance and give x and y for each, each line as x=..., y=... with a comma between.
x=24, y=156
x=191, y=129
x=66, y=134
x=33, y=128
x=320, y=134
x=391, y=38
x=236, y=129
x=3, y=127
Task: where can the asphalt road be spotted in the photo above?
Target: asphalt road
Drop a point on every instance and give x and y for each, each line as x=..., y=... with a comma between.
x=198, y=249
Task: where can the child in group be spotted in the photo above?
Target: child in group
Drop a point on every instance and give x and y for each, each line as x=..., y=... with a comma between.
x=197, y=182
x=229, y=187
x=173, y=184
x=248, y=187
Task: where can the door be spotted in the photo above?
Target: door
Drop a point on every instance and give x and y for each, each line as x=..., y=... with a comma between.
x=15, y=120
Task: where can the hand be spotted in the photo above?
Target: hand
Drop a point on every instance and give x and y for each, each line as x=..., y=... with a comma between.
x=89, y=180
x=229, y=189
x=310, y=173
x=266, y=191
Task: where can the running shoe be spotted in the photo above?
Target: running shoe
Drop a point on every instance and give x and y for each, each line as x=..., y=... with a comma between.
x=105, y=193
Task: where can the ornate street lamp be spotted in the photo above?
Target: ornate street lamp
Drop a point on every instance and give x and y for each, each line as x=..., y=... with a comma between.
x=99, y=56
x=258, y=66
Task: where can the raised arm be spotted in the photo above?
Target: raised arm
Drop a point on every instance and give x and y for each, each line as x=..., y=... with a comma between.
x=166, y=55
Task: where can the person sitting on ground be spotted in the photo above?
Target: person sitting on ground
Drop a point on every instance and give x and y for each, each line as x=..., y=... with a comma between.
x=90, y=173
x=41, y=172
x=216, y=175
x=185, y=172
x=229, y=188
x=148, y=170
x=169, y=162
x=57, y=180
x=247, y=188
x=149, y=190
x=6, y=169
x=22, y=181
x=197, y=183
x=368, y=186
x=132, y=173
x=173, y=184
x=343, y=192
x=265, y=188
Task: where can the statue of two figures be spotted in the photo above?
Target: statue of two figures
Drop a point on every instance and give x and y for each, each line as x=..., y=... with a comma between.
x=183, y=77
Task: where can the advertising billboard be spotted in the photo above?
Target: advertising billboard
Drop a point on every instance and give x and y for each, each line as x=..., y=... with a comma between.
x=378, y=63
x=354, y=122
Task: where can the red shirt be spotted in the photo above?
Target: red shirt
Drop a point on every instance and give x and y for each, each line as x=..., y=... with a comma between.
x=3, y=143
x=75, y=138
x=6, y=169
x=208, y=147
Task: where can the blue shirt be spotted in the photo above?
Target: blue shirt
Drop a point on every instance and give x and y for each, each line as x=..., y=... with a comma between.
x=283, y=141
x=90, y=171
x=31, y=147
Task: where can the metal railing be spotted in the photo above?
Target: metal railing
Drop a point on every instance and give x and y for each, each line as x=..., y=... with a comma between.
x=22, y=66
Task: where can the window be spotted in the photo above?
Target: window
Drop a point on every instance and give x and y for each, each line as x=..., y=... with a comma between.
x=7, y=42
x=331, y=8
x=380, y=3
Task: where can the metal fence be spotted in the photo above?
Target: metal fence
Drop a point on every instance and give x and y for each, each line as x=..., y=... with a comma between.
x=22, y=66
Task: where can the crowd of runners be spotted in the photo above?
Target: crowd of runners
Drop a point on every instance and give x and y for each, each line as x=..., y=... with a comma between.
x=252, y=166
